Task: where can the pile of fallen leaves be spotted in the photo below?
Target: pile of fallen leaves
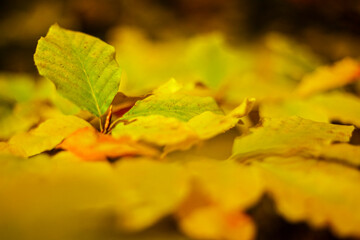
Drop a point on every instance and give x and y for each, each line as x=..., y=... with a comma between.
x=90, y=152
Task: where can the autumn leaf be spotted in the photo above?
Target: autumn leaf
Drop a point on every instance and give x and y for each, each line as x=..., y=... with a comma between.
x=9, y=149
x=156, y=129
x=212, y=223
x=82, y=67
x=18, y=119
x=147, y=191
x=222, y=183
x=47, y=135
x=209, y=124
x=43, y=196
x=342, y=153
x=338, y=106
x=91, y=145
x=16, y=87
x=175, y=134
x=288, y=136
x=324, y=78
x=213, y=208
x=169, y=103
x=293, y=107
x=319, y=192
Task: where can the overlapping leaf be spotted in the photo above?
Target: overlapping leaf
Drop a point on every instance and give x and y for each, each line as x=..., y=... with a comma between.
x=47, y=135
x=148, y=191
x=321, y=193
x=289, y=136
x=168, y=102
x=91, y=145
x=176, y=134
x=82, y=67
x=325, y=78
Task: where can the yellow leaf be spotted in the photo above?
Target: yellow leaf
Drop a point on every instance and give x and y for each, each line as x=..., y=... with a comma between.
x=293, y=107
x=289, y=136
x=47, y=135
x=156, y=129
x=175, y=134
x=213, y=223
x=147, y=191
x=342, y=152
x=43, y=197
x=338, y=106
x=328, y=77
x=9, y=149
x=208, y=124
x=321, y=193
x=227, y=184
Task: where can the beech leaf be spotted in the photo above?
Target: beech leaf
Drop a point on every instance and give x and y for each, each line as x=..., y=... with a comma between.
x=322, y=193
x=82, y=67
x=47, y=135
x=172, y=103
x=324, y=78
x=285, y=136
x=148, y=191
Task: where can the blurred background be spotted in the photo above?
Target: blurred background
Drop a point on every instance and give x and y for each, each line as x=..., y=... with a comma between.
x=330, y=28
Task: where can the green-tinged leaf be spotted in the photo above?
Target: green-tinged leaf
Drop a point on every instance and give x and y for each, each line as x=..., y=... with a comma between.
x=47, y=135
x=176, y=134
x=209, y=59
x=289, y=136
x=82, y=68
x=16, y=87
x=173, y=104
x=320, y=193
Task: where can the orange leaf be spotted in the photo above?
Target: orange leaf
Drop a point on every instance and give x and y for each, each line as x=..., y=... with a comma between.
x=91, y=145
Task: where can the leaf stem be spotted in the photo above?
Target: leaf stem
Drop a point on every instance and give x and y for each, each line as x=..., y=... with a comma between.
x=101, y=127
x=115, y=122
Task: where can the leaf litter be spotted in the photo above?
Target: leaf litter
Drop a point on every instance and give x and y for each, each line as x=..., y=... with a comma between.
x=296, y=153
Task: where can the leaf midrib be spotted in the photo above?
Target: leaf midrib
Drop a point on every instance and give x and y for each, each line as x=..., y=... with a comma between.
x=84, y=70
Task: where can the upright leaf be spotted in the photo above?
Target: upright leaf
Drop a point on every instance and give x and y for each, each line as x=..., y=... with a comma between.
x=82, y=67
